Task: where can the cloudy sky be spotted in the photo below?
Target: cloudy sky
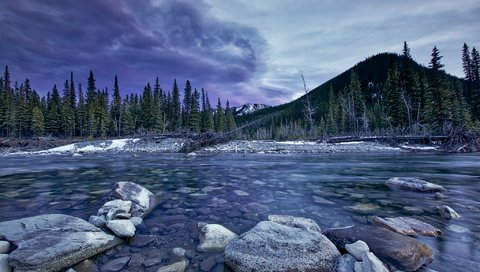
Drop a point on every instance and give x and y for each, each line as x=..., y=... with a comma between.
x=246, y=51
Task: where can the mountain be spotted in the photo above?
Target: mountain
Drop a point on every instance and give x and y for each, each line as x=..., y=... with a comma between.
x=386, y=82
x=248, y=108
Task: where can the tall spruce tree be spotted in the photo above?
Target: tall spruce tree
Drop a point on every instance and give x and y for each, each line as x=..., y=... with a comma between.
x=176, y=117
x=194, y=112
x=38, y=122
x=187, y=100
x=116, y=108
x=219, y=118
x=229, y=119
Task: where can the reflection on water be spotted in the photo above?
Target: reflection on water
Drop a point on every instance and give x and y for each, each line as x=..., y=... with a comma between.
x=239, y=190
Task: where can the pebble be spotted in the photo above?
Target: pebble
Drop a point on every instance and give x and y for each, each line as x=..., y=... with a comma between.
x=175, y=267
x=179, y=252
x=141, y=240
x=122, y=227
x=152, y=262
x=4, y=247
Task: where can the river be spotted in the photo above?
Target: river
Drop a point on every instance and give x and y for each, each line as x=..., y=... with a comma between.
x=239, y=190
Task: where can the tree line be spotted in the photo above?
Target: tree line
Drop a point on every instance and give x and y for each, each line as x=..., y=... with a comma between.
x=410, y=100
x=93, y=113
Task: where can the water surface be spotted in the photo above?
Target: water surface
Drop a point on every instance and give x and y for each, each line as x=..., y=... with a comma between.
x=239, y=190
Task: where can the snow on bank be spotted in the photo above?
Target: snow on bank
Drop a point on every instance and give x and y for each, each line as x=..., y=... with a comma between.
x=95, y=146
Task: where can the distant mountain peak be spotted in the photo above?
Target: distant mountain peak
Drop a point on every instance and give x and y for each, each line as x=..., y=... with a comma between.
x=248, y=108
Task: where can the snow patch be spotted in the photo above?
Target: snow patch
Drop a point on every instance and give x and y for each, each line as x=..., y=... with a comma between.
x=296, y=143
x=351, y=143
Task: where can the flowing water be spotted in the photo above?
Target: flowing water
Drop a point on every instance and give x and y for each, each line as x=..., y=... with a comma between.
x=239, y=190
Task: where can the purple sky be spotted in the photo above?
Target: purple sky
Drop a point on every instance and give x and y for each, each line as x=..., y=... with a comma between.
x=236, y=49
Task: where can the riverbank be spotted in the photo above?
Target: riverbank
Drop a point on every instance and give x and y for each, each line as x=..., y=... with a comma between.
x=175, y=145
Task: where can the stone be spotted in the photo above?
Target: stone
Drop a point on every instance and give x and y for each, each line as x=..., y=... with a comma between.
x=208, y=264
x=407, y=226
x=214, y=237
x=4, y=247
x=322, y=200
x=98, y=221
x=141, y=240
x=270, y=246
x=152, y=262
x=179, y=252
x=121, y=227
x=112, y=214
x=357, y=267
x=254, y=208
x=118, y=204
x=123, y=216
x=175, y=267
x=240, y=193
x=370, y=263
x=345, y=263
x=86, y=266
x=446, y=212
x=295, y=222
x=357, y=249
x=115, y=264
x=143, y=201
x=53, y=242
x=414, y=184
x=402, y=252
x=364, y=207
x=136, y=220
x=4, y=267
x=71, y=270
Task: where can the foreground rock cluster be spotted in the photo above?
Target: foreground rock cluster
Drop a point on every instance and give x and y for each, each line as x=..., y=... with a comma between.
x=57, y=242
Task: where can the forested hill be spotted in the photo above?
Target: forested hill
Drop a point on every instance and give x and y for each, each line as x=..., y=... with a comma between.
x=384, y=94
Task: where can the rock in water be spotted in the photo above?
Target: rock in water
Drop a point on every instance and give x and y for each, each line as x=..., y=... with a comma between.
x=446, y=212
x=115, y=264
x=357, y=249
x=143, y=201
x=117, y=204
x=52, y=242
x=415, y=184
x=407, y=226
x=4, y=247
x=273, y=247
x=371, y=263
x=345, y=263
x=295, y=222
x=4, y=263
x=402, y=252
x=122, y=227
x=175, y=267
x=214, y=237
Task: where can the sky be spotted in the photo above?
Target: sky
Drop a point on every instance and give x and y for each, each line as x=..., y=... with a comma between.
x=241, y=50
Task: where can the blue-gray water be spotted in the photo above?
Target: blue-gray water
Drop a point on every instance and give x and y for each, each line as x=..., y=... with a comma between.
x=205, y=188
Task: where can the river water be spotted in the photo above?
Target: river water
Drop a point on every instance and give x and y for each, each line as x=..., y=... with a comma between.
x=239, y=190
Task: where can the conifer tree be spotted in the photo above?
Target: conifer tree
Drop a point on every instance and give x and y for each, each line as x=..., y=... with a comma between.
x=406, y=51
x=176, y=118
x=187, y=99
x=53, y=123
x=116, y=108
x=194, y=112
x=392, y=98
x=157, y=107
x=91, y=106
x=219, y=118
x=229, y=119
x=81, y=112
x=128, y=126
x=38, y=122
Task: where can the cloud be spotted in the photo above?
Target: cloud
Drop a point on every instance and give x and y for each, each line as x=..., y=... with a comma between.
x=137, y=40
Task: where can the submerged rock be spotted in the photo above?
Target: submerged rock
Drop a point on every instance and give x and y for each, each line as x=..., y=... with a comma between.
x=98, y=221
x=357, y=249
x=295, y=222
x=399, y=251
x=86, y=266
x=415, y=184
x=175, y=267
x=270, y=246
x=53, y=242
x=121, y=227
x=143, y=201
x=446, y=212
x=214, y=237
x=407, y=226
x=115, y=264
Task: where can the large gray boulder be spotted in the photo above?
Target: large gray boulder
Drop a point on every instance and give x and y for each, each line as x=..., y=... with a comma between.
x=402, y=252
x=143, y=201
x=414, y=184
x=52, y=242
x=274, y=247
x=295, y=222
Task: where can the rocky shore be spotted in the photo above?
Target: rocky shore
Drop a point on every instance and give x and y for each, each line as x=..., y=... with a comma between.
x=174, y=145
x=59, y=242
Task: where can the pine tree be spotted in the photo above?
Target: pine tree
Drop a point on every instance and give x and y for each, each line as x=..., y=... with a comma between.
x=73, y=105
x=392, y=98
x=466, y=63
x=53, y=124
x=128, y=126
x=187, y=99
x=207, y=113
x=194, y=112
x=229, y=119
x=157, y=107
x=91, y=101
x=20, y=108
x=219, y=118
x=81, y=111
x=68, y=113
x=332, y=116
x=116, y=108
x=176, y=118
x=475, y=92
x=406, y=51
x=38, y=122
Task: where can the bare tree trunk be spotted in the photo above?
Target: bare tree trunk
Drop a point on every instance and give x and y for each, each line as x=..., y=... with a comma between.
x=309, y=110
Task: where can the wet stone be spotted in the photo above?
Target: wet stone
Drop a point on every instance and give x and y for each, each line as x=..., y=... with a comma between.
x=345, y=263
x=4, y=267
x=136, y=261
x=141, y=240
x=179, y=252
x=357, y=249
x=115, y=264
x=208, y=264
x=175, y=267
x=152, y=262
x=4, y=247
x=86, y=266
